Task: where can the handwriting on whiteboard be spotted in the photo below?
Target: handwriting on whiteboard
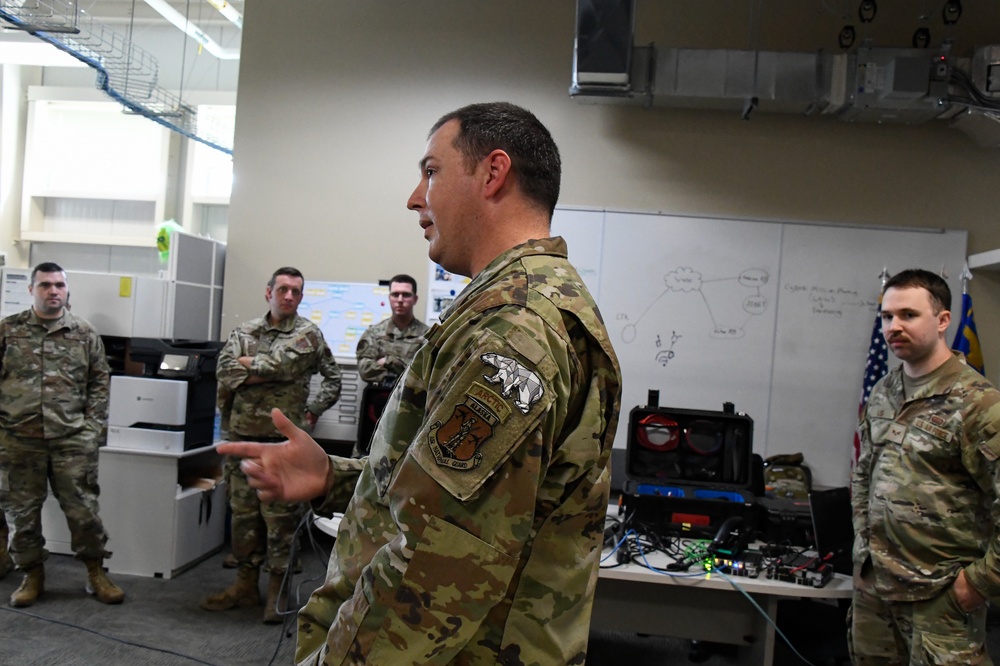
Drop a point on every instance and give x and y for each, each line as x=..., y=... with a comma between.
x=718, y=296
x=826, y=301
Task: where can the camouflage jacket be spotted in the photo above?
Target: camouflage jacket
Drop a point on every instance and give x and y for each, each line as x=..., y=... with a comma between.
x=474, y=532
x=397, y=346
x=53, y=382
x=926, y=484
x=286, y=356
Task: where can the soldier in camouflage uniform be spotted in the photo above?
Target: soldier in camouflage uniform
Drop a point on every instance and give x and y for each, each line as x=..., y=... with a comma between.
x=925, y=493
x=472, y=531
x=54, y=384
x=268, y=362
x=385, y=350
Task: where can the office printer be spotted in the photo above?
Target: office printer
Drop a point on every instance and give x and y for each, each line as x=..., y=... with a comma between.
x=166, y=402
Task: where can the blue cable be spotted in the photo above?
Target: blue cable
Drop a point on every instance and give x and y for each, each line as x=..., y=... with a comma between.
x=728, y=579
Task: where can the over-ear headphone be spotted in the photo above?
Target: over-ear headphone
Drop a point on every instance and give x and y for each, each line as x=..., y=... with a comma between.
x=657, y=432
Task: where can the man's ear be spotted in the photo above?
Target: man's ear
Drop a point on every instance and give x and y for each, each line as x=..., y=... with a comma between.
x=497, y=171
x=267, y=294
x=944, y=320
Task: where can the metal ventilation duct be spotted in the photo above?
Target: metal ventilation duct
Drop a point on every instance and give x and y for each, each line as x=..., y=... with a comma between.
x=877, y=85
x=872, y=85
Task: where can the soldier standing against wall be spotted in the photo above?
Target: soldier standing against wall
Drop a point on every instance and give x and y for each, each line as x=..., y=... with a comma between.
x=925, y=493
x=386, y=348
x=384, y=351
x=54, y=383
x=268, y=362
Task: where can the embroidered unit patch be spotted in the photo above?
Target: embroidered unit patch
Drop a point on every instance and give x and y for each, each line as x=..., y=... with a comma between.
x=456, y=443
x=515, y=379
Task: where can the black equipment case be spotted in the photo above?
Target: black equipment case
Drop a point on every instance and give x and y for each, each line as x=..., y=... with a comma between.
x=687, y=471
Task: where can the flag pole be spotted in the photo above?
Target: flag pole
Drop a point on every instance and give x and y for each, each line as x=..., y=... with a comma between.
x=876, y=365
x=966, y=337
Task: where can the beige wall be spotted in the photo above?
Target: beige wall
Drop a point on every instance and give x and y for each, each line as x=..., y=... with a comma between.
x=336, y=97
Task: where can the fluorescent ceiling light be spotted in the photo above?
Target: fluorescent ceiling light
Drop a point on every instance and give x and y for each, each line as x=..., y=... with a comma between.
x=228, y=11
x=193, y=31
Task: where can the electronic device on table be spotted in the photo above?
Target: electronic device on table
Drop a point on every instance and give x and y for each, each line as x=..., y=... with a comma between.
x=689, y=471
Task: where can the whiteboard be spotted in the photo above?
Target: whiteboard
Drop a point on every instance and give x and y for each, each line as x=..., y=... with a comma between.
x=773, y=317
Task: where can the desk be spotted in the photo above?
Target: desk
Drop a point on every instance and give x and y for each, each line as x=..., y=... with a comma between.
x=632, y=598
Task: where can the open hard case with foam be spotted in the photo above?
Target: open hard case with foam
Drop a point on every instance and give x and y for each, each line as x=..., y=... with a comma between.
x=687, y=470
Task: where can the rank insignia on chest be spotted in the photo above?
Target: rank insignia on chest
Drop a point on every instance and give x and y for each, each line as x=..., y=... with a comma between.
x=896, y=433
x=514, y=379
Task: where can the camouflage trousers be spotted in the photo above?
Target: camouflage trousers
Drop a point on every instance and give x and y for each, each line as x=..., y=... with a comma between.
x=69, y=465
x=918, y=633
x=261, y=533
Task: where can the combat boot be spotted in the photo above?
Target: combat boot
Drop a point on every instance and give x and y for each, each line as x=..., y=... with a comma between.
x=230, y=561
x=243, y=593
x=31, y=587
x=271, y=615
x=99, y=585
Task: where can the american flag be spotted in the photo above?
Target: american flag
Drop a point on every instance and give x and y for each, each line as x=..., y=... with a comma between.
x=875, y=369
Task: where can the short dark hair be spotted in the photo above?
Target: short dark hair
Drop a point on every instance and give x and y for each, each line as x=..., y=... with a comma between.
x=46, y=267
x=285, y=270
x=403, y=277
x=534, y=156
x=917, y=277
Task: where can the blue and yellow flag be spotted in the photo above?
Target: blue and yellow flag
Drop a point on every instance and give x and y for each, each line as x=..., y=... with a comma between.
x=967, y=340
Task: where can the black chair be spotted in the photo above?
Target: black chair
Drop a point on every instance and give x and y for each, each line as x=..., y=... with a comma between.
x=373, y=399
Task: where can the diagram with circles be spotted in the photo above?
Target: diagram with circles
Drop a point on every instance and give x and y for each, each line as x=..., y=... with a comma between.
x=731, y=303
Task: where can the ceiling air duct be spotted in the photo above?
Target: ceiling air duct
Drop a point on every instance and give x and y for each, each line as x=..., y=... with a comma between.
x=870, y=84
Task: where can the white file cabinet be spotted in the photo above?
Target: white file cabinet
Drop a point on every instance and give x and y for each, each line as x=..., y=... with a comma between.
x=156, y=525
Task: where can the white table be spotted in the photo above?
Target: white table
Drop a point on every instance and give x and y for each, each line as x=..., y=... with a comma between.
x=707, y=607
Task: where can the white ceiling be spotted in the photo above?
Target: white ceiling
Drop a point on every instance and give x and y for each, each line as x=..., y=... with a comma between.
x=114, y=12
x=125, y=17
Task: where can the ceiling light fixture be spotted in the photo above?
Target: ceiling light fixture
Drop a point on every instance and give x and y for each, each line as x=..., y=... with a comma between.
x=228, y=11
x=193, y=31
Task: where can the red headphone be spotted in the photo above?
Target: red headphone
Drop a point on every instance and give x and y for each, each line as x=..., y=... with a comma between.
x=656, y=432
x=660, y=433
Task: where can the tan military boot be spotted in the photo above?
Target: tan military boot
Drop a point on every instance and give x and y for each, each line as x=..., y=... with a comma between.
x=230, y=561
x=99, y=585
x=31, y=587
x=243, y=593
x=271, y=615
